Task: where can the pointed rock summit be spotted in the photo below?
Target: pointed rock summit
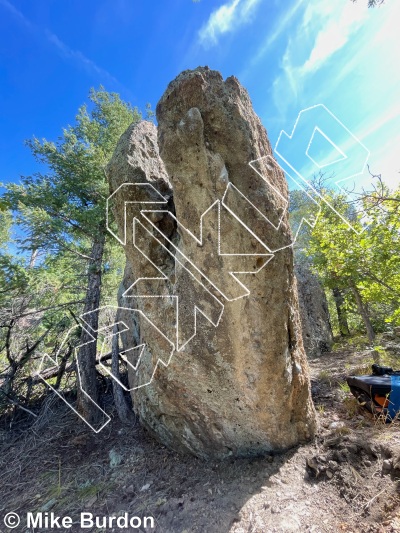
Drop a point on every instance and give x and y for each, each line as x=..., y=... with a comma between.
x=209, y=275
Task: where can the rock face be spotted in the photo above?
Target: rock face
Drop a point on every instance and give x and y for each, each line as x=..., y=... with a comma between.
x=314, y=313
x=230, y=371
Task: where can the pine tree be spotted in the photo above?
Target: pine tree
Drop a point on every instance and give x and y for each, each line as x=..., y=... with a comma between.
x=63, y=211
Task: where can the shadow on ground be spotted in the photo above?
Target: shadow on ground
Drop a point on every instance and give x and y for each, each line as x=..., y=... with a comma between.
x=59, y=466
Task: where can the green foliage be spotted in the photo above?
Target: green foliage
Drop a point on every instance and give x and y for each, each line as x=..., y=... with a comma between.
x=344, y=386
x=369, y=259
x=59, y=214
x=60, y=210
x=372, y=3
x=13, y=274
x=301, y=207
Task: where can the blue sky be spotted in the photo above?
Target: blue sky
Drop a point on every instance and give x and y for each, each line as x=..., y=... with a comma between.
x=290, y=55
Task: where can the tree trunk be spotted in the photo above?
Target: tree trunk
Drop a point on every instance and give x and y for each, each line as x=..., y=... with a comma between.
x=33, y=258
x=88, y=348
x=124, y=413
x=363, y=312
x=341, y=313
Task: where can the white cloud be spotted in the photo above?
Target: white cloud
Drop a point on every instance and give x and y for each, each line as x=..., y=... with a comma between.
x=226, y=18
x=282, y=25
x=324, y=29
x=63, y=49
x=345, y=55
x=79, y=58
x=17, y=14
x=340, y=25
x=376, y=51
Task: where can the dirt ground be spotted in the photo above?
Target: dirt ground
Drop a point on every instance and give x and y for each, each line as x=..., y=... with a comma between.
x=345, y=480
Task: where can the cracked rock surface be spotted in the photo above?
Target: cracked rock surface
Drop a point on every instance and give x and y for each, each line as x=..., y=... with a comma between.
x=237, y=381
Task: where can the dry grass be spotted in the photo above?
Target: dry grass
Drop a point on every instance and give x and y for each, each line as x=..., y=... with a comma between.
x=55, y=459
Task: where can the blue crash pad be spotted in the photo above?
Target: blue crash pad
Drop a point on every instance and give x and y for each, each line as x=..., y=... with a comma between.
x=394, y=398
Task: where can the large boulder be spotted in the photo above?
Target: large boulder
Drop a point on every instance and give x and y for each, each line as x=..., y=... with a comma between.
x=314, y=312
x=223, y=369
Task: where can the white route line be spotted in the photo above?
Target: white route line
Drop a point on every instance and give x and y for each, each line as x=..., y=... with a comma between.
x=311, y=220
x=55, y=362
x=47, y=358
x=181, y=258
x=161, y=200
x=146, y=190
x=298, y=171
x=344, y=156
x=172, y=296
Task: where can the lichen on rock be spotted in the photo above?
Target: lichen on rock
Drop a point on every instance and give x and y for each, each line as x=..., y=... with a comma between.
x=236, y=382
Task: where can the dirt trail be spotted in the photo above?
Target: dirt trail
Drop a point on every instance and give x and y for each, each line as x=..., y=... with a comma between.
x=346, y=480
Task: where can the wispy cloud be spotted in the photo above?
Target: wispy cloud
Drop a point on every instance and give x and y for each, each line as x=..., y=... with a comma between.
x=226, y=18
x=324, y=29
x=80, y=59
x=280, y=27
x=16, y=13
x=372, y=51
x=334, y=34
x=77, y=57
x=342, y=54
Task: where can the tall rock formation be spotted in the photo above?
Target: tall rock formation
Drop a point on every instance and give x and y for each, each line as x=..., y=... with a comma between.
x=209, y=290
x=314, y=313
